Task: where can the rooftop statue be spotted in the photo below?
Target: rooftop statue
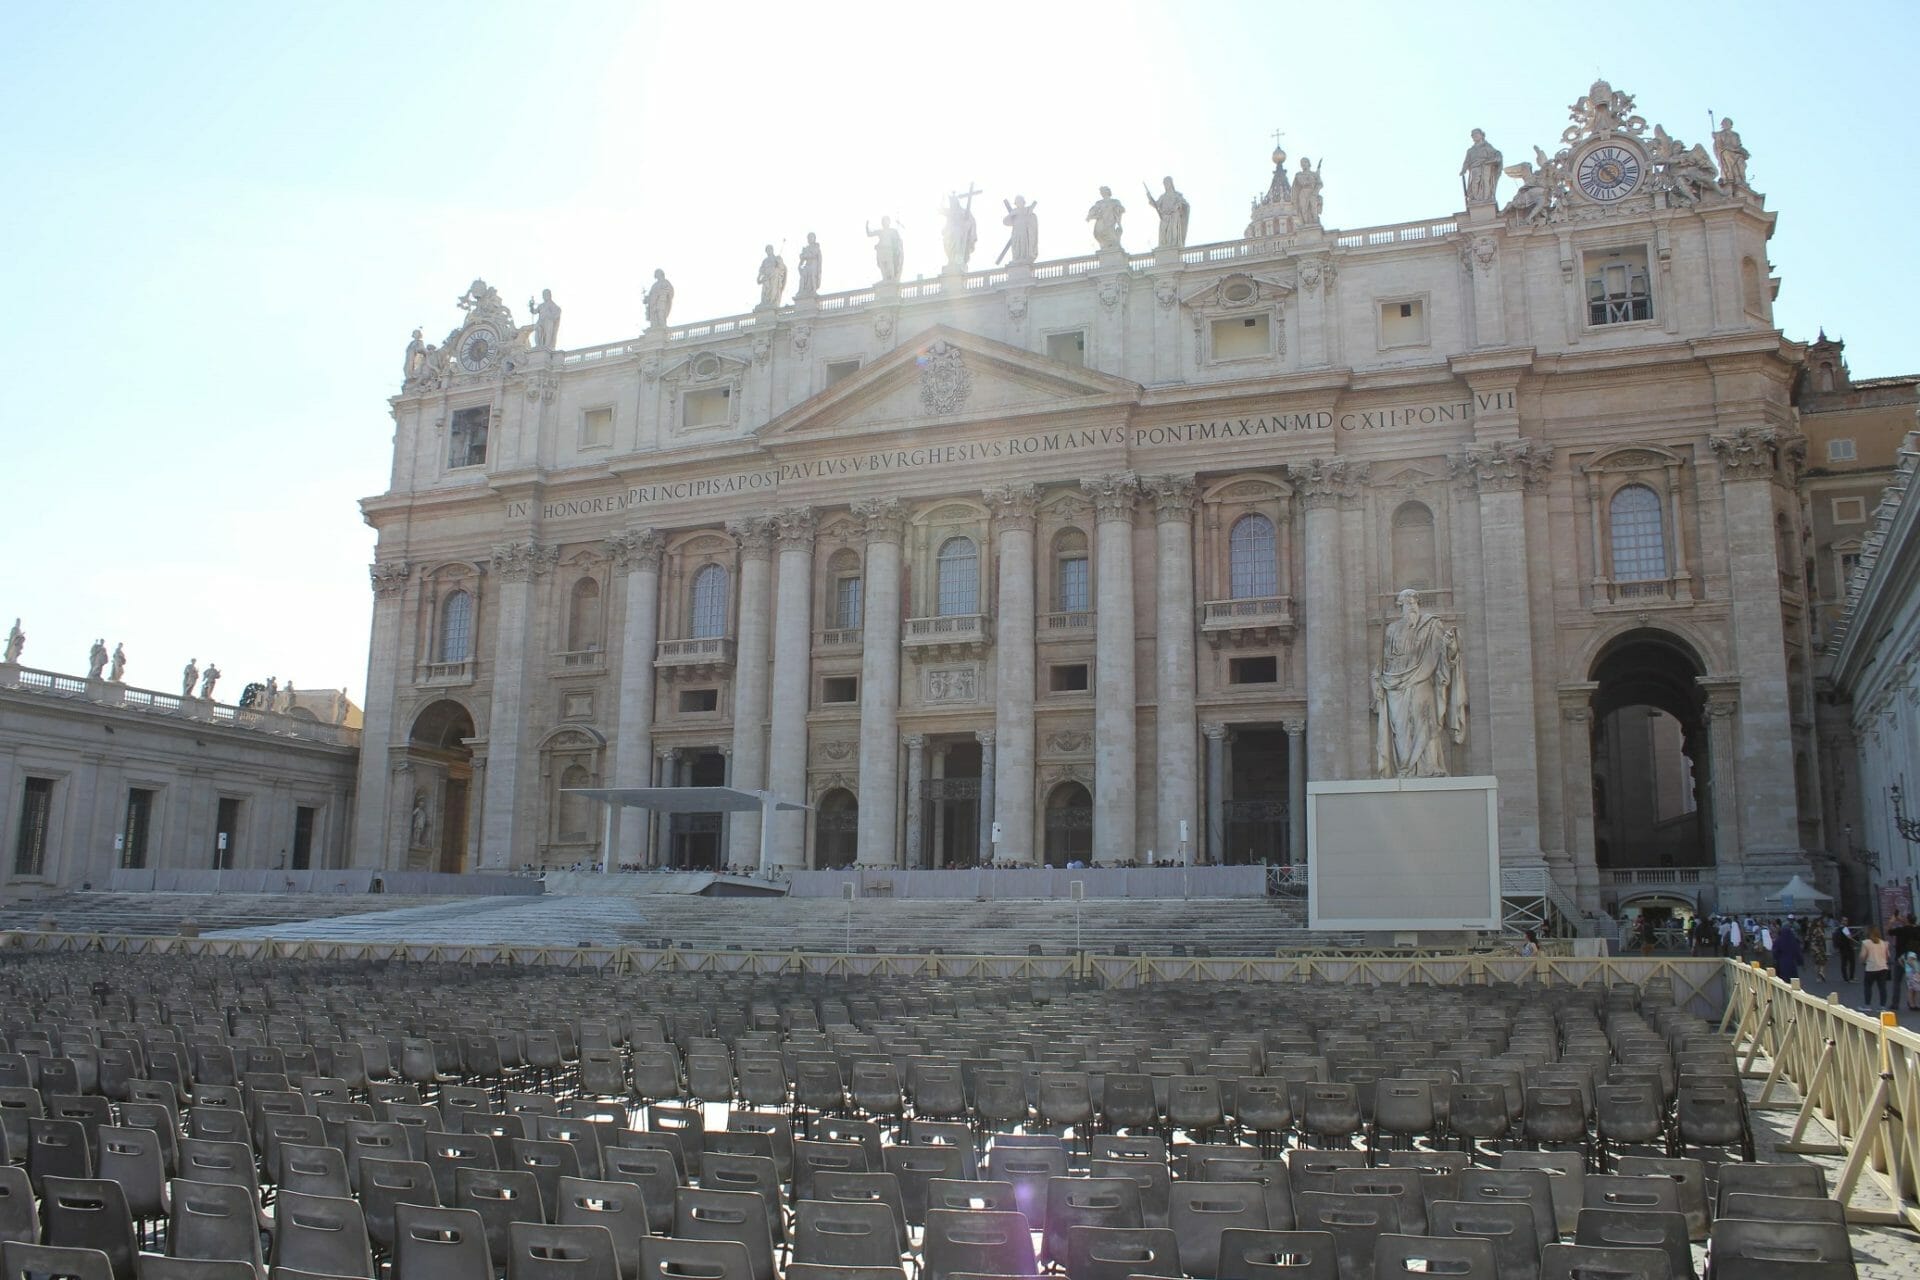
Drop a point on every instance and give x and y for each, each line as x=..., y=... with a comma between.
x=1540, y=186
x=1480, y=171
x=1023, y=241
x=208, y=679
x=1173, y=209
x=772, y=278
x=659, y=300
x=888, y=250
x=809, y=269
x=1105, y=216
x=97, y=659
x=1732, y=156
x=481, y=301
x=117, y=668
x=414, y=366
x=188, y=676
x=1684, y=173
x=962, y=231
x=16, y=641
x=546, y=321
x=1306, y=192
x=1418, y=694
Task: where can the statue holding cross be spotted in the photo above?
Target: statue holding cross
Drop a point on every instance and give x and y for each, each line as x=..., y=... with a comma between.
x=962, y=231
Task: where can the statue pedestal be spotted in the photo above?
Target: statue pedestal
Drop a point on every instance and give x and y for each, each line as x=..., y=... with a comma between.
x=887, y=291
x=765, y=312
x=113, y=692
x=808, y=305
x=954, y=278
x=1020, y=273
x=96, y=689
x=1482, y=215
x=1113, y=260
x=1166, y=256
x=9, y=673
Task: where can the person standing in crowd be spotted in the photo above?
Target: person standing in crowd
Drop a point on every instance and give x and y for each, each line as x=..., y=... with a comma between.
x=1875, y=970
x=1816, y=947
x=1786, y=951
x=1846, y=947
x=1910, y=978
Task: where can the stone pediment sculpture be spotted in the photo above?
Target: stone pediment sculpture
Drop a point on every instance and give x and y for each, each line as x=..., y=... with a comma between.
x=1607, y=161
x=944, y=372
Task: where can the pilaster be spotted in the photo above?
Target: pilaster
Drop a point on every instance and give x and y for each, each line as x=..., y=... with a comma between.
x=509, y=827
x=371, y=847
x=916, y=744
x=1576, y=789
x=1216, y=738
x=986, y=739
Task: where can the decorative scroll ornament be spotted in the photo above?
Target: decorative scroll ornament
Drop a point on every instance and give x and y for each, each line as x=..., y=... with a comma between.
x=1502, y=467
x=1603, y=112
x=945, y=380
x=637, y=549
x=389, y=576
x=519, y=561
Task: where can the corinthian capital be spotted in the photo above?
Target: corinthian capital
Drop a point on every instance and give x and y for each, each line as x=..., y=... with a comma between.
x=881, y=519
x=389, y=576
x=1503, y=466
x=1013, y=505
x=755, y=536
x=519, y=561
x=1172, y=497
x=1754, y=453
x=637, y=549
x=794, y=527
x=1113, y=495
x=1322, y=482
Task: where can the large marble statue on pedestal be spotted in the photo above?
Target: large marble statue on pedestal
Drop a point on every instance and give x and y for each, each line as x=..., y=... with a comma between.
x=1105, y=216
x=962, y=230
x=809, y=269
x=1732, y=156
x=1418, y=694
x=1480, y=170
x=889, y=250
x=1023, y=240
x=772, y=278
x=1306, y=192
x=546, y=321
x=659, y=300
x=1173, y=210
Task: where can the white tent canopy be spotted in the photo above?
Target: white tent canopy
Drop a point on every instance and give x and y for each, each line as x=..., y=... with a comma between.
x=684, y=800
x=1798, y=890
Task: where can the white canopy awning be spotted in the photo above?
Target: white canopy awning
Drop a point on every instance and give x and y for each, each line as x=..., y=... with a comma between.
x=1798, y=890
x=684, y=800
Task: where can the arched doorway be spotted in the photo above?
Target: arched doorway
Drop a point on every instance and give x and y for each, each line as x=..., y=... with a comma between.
x=441, y=763
x=1069, y=824
x=1652, y=823
x=836, y=829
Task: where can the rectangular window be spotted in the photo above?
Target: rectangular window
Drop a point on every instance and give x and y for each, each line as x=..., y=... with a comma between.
x=36, y=817
x=1068, y=348
x=596, y=428
x=1849, y=510
x=133, y=840
x=694, y=701
x=1841, y=451
x=1619, y=290
x=226, y=833
x=1075, y=586
x=708, y=408
x=303, y=818
x=840, y=689
x=841, y=370
x=846, y=603
x=1403, y=323
x=1242, y=337
x=1849, y=561
x=467, y=437
x=1253, y=670
x=1067, y=677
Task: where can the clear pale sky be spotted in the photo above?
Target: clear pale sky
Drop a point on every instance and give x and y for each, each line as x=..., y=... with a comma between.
x=222, y=220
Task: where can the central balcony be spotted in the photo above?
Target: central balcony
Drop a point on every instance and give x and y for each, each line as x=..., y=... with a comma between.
x=1250, y=621
x=701, y=658
x=947, y=636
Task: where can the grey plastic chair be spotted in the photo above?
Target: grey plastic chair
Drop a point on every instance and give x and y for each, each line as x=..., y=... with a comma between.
x=321, y=1234
x=213, y=1221
x=544, y=1251
x=1460, y=1257
x=1247, y=1254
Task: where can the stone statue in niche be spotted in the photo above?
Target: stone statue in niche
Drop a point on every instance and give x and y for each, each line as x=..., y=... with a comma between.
x=209, y=678
x=420, y=823
x=962, y=230
x=1480, y=171
x=659, y=300
x=1732, y=156
x=97, y=659
x=1306, y=192
x=117, y=665
x=1173, y=209
x=1418, y=694
x=189, y=676
x=1023, y=239
x=772, y=278
x=809, y=269
x=1105, y=216
x=16, y=641
x=888, y=250
x=546, y=321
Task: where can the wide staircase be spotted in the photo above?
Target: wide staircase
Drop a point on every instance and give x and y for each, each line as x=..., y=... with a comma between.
x=163, y=914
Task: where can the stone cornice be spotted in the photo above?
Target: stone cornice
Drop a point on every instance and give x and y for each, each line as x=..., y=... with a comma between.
x=755, y=536
x=637, y=549
x=1504, y=466
x=1013, y=505
x=1113, y=495
x=1322, y=482
x=520, y=561
x=882, y=519
x=795, y=527
x=1172, y=497
x=389, y=576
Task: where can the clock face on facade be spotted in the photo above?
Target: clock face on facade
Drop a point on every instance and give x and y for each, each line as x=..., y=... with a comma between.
x=477, y=350
x=1608, y=172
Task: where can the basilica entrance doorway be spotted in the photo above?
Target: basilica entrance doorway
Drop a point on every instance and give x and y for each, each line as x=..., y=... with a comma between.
x=694, y=839
x=836, y=829
x=1255, y=812
x=1069, y=825
x=1651, y=771
x=442, y=767
x=950, y=803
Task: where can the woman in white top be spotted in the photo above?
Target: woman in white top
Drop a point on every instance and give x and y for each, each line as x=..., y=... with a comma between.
x=1875, y=969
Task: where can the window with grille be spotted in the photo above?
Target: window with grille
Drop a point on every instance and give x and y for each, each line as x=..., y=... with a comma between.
x=36, y=815
x=133, y=846
x=958, y=576
x=1253, y=571
x=1618, y=287
x=456, y=628
x=708, y=617
x=1639, y=537
x=1075, y=585
x=467, y=437
x=847, y=602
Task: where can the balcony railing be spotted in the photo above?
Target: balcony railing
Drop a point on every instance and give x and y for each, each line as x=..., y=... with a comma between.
x=697, y=656
x=1067, y=620
x=1655, y=875
x=581, y=659
x=946, y=635
x=1248, y=620
x=444, y=673
x=837, y=638
x=1644, y=591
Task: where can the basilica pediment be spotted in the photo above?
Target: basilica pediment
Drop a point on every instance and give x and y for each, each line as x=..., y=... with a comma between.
x=946, y=376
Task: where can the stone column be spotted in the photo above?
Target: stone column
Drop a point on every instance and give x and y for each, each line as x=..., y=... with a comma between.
x=880, y=684
x=1750, y=462
x=1114, y=744
x=749, y=770
x=1502, y=472
x=1321, y=484
x=938, y=767
x=371, y=845
x=637, y=553
x=792, y=667
x=666, y=761
x=1296, y=790
x=1006, y=787
x=1216, y=736
x=916, y=802
x=508, y=822
x=1723, y=777
x=1576, y=785
x=987, y=792
x=1175, y=721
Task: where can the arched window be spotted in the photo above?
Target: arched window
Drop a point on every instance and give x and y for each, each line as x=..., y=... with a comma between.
x=846, y=606
x=958, y=577
x=1413, y=550
x=1638, y=535
x=575, y=820
x=583, y=616
x=708, y=617
x=1254, y=572
x=456, y=627
x=1072, y=583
